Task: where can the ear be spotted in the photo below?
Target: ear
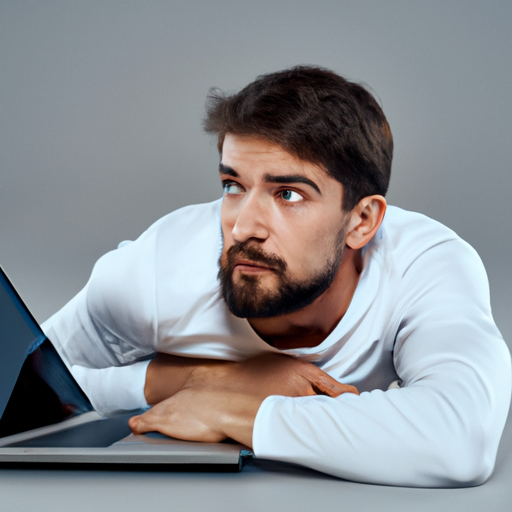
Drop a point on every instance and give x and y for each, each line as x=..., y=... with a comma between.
x=364, y=221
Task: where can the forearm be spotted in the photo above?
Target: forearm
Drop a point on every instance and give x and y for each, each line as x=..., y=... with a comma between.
x=167, y=374
x=379, y=437
x=441, y=430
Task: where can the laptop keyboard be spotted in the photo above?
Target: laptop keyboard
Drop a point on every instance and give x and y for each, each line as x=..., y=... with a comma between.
x=95, y=434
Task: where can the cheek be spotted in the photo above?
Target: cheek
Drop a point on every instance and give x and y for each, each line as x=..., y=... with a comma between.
x=310, y=248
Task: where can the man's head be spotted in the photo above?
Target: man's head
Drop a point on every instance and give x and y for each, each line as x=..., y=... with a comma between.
x=305, y=161
x=318, y=116
x=282, y=224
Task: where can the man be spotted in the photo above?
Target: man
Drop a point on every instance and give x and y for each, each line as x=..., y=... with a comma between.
x=300, y=315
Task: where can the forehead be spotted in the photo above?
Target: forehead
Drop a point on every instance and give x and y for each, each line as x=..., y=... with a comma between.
x=249, y=153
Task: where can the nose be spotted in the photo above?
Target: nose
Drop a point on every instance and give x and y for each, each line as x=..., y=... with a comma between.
x=251, y=220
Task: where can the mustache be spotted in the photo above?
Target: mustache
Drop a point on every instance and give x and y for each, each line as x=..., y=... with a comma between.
x=247, y=250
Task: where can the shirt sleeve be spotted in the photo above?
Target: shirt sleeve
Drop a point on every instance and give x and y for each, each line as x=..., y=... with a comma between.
x=114, y=389
x=442, y=427
x=106, y=333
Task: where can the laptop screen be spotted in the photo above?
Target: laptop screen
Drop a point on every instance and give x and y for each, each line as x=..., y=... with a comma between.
x=36, y=389
x=18, y=332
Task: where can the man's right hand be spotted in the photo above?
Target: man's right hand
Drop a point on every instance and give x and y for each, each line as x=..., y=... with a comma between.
x=259, y=376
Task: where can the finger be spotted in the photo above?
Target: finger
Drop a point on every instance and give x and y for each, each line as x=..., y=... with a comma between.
x=326, y=385
x=143, y=423
x=134, y=424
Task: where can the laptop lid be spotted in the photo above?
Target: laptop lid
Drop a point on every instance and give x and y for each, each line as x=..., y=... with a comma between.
x=36, y=389
x=18, y=331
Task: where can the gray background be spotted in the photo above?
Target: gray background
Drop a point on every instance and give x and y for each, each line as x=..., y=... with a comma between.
x=101, y=105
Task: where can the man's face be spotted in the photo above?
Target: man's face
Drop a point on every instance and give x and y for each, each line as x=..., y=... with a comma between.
x=283, y=228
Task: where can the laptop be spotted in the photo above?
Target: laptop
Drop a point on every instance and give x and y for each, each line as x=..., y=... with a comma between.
x=46, y=420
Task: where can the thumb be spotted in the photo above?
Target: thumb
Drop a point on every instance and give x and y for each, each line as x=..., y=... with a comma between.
x=138, y=425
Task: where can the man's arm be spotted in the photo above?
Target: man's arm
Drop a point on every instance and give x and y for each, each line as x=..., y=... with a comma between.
x=441, y=429
x=167, y=374
x=262, y=375
x=205, y=400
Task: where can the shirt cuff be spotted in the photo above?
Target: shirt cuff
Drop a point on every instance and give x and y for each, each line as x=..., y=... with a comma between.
x=115, y=389
x=263, y=434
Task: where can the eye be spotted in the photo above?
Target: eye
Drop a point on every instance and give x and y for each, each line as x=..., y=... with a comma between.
x=290, y=196
x=230, y=187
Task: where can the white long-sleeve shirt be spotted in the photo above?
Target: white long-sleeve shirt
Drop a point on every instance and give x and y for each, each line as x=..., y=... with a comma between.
x=420, y=313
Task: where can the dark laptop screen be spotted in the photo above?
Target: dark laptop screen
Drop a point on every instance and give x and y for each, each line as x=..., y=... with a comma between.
x=36, y=388
x=18, y=331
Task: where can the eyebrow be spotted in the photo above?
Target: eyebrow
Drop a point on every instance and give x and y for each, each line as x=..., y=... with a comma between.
x=225, y=169
x=291, y=178
x=270, y=178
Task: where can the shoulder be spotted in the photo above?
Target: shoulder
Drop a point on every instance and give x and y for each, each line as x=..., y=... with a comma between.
x=408, y=239
x=197, y=225
x=410, y=232
x=420, y=258
x=124, y=281
x=432, y=272
x=190, y=221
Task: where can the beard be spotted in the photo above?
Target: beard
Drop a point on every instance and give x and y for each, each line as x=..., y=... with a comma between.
x=247, y=298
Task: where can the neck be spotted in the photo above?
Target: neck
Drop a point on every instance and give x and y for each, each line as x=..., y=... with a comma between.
x=309, y=326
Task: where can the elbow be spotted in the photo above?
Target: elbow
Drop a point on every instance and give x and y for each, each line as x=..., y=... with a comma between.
x=468, y=463
x=467, y=475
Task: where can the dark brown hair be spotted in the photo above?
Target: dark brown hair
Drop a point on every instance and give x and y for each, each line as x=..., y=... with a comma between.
x=318, y=116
